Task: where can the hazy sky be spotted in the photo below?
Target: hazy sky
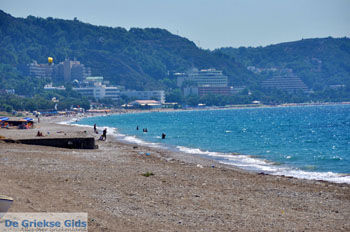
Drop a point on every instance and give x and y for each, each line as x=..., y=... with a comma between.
x=209, y=23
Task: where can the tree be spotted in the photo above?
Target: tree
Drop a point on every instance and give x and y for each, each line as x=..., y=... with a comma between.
x=192, y=100
x=174, y=96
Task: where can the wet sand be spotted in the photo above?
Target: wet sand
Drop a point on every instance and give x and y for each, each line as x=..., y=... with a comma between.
x=180, y=196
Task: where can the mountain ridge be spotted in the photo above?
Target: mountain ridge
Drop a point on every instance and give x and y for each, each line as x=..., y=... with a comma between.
x=137, y=58
x=319, y=62
x=144, y=59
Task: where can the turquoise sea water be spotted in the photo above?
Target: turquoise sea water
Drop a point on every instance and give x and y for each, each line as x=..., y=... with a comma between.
x=311, y=142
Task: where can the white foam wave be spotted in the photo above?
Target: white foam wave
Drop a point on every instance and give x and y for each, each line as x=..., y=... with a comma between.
x=135, y=140
x=328, y=176
x=254, y=164
x=194, y=151
x=69, y=122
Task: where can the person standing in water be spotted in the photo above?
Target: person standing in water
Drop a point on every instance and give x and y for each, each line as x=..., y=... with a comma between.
x=104, y=134
x=163, y=136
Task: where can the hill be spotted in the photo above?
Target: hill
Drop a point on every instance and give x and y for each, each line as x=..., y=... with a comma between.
x=136, y=58
x=145, y=58
x=320, y=62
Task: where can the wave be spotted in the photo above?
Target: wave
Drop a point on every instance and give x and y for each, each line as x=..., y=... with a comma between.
x=245, y=162
x=70, y=121
x=253, y=164
x=135, y=140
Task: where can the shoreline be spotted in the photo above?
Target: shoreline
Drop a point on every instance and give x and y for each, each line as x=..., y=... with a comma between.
x=287, y=171
x=108, y=183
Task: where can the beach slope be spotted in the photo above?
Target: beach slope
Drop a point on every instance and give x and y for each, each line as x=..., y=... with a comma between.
x=177, y=194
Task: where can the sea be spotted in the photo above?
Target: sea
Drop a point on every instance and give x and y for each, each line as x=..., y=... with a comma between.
x=308, y=142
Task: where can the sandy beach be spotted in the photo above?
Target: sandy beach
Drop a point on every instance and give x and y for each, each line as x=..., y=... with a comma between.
x=185, y=193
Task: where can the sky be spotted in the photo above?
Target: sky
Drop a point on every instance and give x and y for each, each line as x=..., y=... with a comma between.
x=209, y=23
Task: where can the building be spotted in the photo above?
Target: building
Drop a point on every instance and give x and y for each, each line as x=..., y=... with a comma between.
x=91, y=81
x=215, y=90
x=79, y=71
x=289, y=84
x=71, y=70
x=238, y=89
x=203, y=82
x=96, y=87
x=41, y=70
x=201, y=91
x=158, y=95
x=50, y=87
x=99, y=92
x=112, y=92
x=152, y=104
x=202, y=78
x=191, y=90
x=64, y=71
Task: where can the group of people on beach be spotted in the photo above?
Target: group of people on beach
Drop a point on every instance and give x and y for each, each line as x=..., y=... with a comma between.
x=103, y=137
x=145, y=130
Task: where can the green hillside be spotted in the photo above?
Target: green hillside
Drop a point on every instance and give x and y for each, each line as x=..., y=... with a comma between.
x=145, y=58
x=136, y=58
x=318, y=62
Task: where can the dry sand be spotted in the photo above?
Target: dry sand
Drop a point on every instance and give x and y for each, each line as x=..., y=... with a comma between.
x=180, y=196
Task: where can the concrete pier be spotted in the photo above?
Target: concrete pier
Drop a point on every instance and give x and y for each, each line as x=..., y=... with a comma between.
x=72, y=143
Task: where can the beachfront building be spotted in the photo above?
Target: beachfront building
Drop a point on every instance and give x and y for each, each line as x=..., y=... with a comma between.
x=227, y=90
x=151, y=104
x=203, y=82
x=202, y=78
x=158, y=95
x=99, y=92
x=288, y=83
x=96, y=87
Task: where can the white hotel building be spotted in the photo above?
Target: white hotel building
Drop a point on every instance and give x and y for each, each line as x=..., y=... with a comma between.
x=203, y=82
x=95, y=89
x=158, y=95
x=100, y=92
x=203, y=78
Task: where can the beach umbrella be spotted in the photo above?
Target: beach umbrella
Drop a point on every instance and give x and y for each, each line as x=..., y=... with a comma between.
x=28, y=119
x=3, y=119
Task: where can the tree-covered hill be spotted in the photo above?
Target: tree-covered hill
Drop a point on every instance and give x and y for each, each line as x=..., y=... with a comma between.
x=144, y=58
x=318, y=62
x=136, y=58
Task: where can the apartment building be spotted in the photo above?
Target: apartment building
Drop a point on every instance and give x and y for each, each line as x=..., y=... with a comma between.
x=285, y=83
x=203, y=78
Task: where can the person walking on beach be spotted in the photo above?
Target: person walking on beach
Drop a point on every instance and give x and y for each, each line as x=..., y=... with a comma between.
x=104, y=134
x=95, y=129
